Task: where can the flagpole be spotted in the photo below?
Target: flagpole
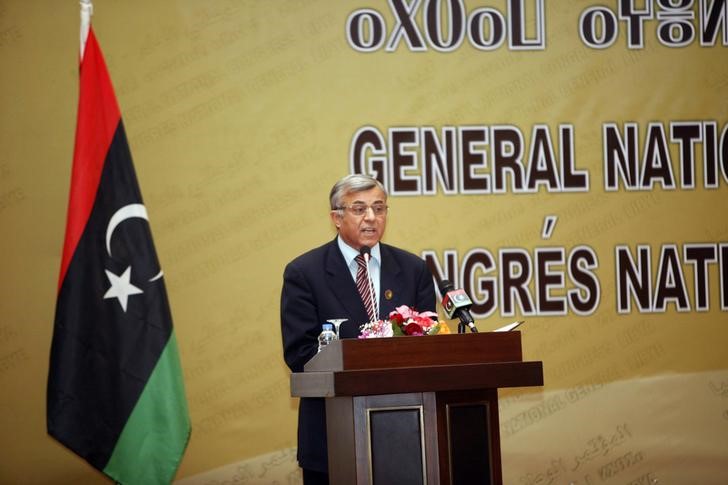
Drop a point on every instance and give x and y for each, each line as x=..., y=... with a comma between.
x=87, y=9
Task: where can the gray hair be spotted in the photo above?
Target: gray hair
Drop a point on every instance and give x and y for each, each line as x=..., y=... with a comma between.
x=352, y=183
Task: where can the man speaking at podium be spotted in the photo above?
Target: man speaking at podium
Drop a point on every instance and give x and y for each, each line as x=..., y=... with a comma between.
x=354, y=277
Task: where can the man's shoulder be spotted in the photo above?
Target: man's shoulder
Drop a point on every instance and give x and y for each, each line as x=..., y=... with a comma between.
x=314, y=256
x=400, y=254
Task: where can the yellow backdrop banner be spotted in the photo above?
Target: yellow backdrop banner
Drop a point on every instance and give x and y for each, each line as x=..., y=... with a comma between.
x=566, y=163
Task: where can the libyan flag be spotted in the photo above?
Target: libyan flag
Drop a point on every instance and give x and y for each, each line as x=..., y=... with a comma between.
x=115, y=391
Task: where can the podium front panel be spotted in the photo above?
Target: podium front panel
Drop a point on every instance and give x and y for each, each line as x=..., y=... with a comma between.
x=469, y=433
x=389, y=438
x=469, y=443
x=396, y=445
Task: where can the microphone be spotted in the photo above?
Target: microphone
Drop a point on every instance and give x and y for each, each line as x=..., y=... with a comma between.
x=457, y=303
x=366, y=252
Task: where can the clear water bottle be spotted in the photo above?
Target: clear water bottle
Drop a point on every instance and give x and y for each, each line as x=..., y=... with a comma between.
x=326, y=336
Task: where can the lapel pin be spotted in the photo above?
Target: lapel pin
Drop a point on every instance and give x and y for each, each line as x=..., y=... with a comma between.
x=388, y=294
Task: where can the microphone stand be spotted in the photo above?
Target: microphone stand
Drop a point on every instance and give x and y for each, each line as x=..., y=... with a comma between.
x=466, y=322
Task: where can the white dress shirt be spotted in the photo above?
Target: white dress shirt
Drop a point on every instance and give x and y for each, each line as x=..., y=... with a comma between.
x=375, y=265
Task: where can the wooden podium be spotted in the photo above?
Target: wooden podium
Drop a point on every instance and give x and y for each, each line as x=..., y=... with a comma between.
x=416, y=410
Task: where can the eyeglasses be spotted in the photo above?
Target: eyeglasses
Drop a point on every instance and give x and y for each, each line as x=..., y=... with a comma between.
x=379, y=209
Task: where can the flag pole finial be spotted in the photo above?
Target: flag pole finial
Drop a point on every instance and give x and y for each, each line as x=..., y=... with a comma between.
x=87, y=9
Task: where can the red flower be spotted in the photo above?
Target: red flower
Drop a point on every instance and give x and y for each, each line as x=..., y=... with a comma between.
x=396, y=318
x=413, y=329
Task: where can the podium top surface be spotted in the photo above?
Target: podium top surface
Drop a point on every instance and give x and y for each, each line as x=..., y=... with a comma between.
x=434, y=350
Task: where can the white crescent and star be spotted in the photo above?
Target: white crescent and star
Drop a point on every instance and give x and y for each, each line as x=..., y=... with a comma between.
x=121, y=287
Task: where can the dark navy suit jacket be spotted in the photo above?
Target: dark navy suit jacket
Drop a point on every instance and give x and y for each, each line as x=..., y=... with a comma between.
x=318, y=286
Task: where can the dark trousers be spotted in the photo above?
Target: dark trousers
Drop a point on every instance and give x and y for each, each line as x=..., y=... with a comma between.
x=311, y=477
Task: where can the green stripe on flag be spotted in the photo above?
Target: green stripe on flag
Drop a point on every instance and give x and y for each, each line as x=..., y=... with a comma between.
x=155, y=436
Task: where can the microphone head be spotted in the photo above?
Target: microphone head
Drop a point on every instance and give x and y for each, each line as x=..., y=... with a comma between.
x=452, y=299
x=444, y=286
x=365, y=250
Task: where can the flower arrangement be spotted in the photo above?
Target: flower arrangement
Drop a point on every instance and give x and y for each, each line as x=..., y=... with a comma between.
x=404, y=321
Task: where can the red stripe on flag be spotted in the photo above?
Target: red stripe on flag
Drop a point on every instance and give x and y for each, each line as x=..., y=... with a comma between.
x=98, y=118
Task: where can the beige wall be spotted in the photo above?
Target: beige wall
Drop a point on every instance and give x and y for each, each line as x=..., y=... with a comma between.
x=240, y=116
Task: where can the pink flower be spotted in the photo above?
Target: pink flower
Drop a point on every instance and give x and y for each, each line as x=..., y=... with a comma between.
x=402, y=321
x=406, y=313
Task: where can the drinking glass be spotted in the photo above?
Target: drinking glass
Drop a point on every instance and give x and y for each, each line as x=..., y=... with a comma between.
x=337, y=323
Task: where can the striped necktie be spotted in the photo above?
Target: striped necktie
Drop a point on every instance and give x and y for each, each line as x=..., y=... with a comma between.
x=365, y=289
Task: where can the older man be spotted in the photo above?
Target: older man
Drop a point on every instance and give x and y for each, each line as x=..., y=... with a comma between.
x=322, y=284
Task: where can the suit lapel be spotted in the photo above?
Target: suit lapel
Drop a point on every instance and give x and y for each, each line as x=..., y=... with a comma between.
x=390, y=290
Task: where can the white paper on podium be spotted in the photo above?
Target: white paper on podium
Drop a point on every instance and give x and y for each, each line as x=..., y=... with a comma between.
x=510, y=326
